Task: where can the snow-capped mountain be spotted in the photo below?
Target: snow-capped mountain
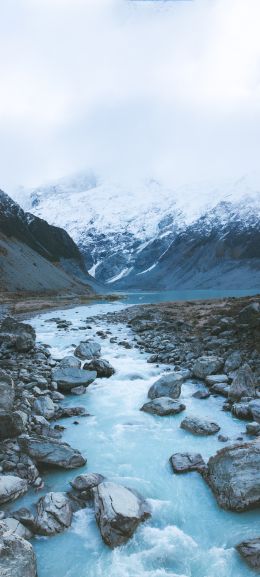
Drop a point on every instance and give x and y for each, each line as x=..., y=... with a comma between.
x=149, y=236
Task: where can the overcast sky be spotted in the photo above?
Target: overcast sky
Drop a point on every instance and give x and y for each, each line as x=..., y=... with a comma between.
x=131, y=89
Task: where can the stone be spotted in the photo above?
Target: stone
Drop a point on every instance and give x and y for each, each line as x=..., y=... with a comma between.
x=234, y=476
x=163, y=406
x=44, y=406
x=199, y=426
x=51, y=451
x=250, y=551
x=186, y=462
x=11, y=488
x=78, y=390
x=102, y=367
x=220, y=389
x=69, y=362
x=254, y=408
x=68, y=379
x=87, y=481
x=88, y=349
x=250, y=314
x=253, y=428
x=241, y=411
x=214, y=379
x=233, y=361
x=201, y=394
x=6, y=392
x=207, y=365
x=54, y=514
x=16, y=528
x=243, y=384
x=119, y=511
x=19, y=336
x=169, y=385
x=17, y=558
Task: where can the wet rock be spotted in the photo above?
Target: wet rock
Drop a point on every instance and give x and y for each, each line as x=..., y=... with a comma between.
x=163, y=406
x=253, y=428
x=88, y=349
x=250, y=551
x=214, y=379
x=199, y=426
x=125, y=344
x=17, y=558
x=65, y=412
x=234, y=476
x=207, y=365
x=233, y=361
x=119, y=511
x=54, y=514
x=78, y=390
x=243, y=384
x=87, y=481
x=19, y=336
x=69, y=362
x=16, y=528
x=201, y=394
x=169, y=385
x=44, y=406
x=102, y=367
x=51, y=452
x=186, y=462
x=11, y=488
x=68, y=379
x=220, y=389
x=222, y=438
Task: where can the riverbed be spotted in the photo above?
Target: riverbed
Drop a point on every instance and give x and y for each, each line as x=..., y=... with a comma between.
x=188, y=535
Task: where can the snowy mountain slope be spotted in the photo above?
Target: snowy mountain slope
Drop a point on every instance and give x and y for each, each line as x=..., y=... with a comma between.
x=126, y=233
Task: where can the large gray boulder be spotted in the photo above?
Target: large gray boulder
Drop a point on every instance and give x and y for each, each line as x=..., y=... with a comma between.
x=199, y=426
x=69, y=378
x=51, y=451
x=88, y=349
x=87, y=481
x=19, y=336
x=234, y=476
x=215, y=379
x=163, y=406
x=69, y=362
x=44, y=406
x=243, y=384
x=186, y=462
x=207, y=365
x=11, y=488
x=17, y=558
x=16, y=528
x=233, y=361
x=250, y=551
x=102, y=367
x=119, y=511
x=54, y=514
x=169, y=385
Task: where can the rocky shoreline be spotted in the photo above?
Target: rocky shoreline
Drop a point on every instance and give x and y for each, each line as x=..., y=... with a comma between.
x=214, y=342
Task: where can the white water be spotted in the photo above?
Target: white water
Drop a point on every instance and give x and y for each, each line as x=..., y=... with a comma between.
x=188, y=534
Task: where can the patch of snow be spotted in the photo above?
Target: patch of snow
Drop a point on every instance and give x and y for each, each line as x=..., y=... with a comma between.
x=122, y=274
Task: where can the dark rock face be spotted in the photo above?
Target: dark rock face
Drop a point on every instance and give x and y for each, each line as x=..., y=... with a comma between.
x=186, y=462
x=19, y=336
x=51, y=452
x=199, y=426
x=88, y=350
x=68, y=378
x=11, y=488
x=169, y=385
x=234, y=476
x=102, y=367
x=163, y=406
x=17, y=558
x=250, y=551
x=243, y=384
x=54, y=514
x=119, y=511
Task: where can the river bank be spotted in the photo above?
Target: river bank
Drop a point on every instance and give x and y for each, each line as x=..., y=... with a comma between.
x=127, y=446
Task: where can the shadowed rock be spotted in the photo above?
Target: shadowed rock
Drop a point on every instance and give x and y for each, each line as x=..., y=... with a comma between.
x=250, y=551
x=207, y=365
x=169, y=385
x=199, y=426
x=243, y=384
x=163, y=406
x=102, y=367
x=88, y=350
x=51, y=452
x=70, y=378
x=17, y=558
x=186, y=462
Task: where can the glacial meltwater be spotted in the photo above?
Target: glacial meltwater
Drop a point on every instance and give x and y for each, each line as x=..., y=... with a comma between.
x=188, y=534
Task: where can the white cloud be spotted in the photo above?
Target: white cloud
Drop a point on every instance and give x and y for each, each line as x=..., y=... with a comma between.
x=128, y=88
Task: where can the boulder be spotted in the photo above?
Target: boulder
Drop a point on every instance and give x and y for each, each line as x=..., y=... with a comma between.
x=207, y=365
x=201, y=394
x=220, y=389
x=17, y=558
x=44, y=406
x=163, y=406
x=68, y=379
x=199, y=426
x=243, y=384
x=88, y=350
x=9, y=427
x=169, y=385
x=119, y=511
x=233, y=361
x=250, y=314
x=214, y=379
x=69, y=362
x=87, y=481
x=11, y=488
x=19, y=336
x=250, y=551
x=51, y=451
x=241, y=411
x=234, y=476
x=186, y=462
x=16, y=528
x=254, y=408
x=253, y=428
x=54, y=514
x=102, y=367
